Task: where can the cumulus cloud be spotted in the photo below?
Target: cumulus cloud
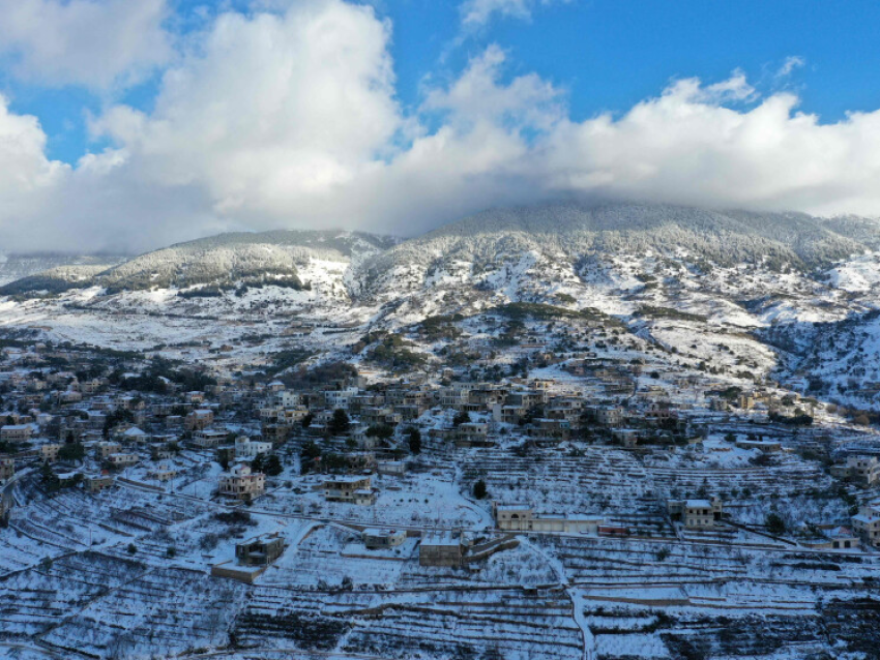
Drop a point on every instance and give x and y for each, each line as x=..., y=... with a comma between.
x=88, y=42
x=290, y=119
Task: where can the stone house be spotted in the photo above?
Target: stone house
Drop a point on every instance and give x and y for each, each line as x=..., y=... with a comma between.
x=260, y=550
x=343, y=489
x=442, y=549
x=242, y=483
x=377, y=539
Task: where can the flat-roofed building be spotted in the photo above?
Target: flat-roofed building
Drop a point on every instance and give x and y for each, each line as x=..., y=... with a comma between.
x=442, y=549
x=377, y=539
x=243, y=484
x=49, y=452
x=343, y=489
x=15, y=432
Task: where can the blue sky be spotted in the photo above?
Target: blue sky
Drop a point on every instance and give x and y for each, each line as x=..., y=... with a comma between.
x=134, y=124
x=607, y=55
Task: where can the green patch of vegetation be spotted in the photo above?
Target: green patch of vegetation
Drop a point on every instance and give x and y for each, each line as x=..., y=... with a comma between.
x=440, y=327
x=284, y=360
x=394, y=352
x=650, y=311
x=542, y=312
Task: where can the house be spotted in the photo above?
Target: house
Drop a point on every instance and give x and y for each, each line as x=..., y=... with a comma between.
x=133, y=434
x=549, y=430
x=15, y=432
x=7, y=468
x=442, y=549
x=628, y=438
x=609, y=416
x=865, y=469
x=522, y=518
x=839, y=538
x=6, y=504
x=260, y=550
x=377, y=539
x=392, y=468
x=472, y=434
x=366, y=496
x=246, y=448
x=49, y=452
x=343, y=489
x=243, y=484
x=866, y=524
x=199, y=419
x=696, y=514
x=122, y=460
x=208, y=438
x=97, y=483
x=163, y=472
x=766, y=446
x=104, y=449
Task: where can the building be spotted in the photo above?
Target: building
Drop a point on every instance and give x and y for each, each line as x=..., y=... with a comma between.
x=766, y=446
x=609, y=416
x=392, y=468
x=522, y=518
x=472, y=434
x=163, y=472
x=629, y=438
x=696, y=514
x=866, y=524
x=97, y=483
x=6, y=504
x=49, y=452
x=260, y=550
x=366, y=496
x=247, y=448
x=865, y=469
x=377, y=539
x=442, y=549
x=122, y=460
x=208, y=438
x=198, y=419
x=7, y=468
x=839, y=538
x=15, y=433
x=104, y=449
x=344, y=489
x=243, y=484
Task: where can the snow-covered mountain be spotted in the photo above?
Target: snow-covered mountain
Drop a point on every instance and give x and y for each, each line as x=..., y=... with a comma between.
x=780, y=290
x=17, y=266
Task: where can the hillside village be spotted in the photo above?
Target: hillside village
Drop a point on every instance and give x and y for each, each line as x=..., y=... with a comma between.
x=520, y=483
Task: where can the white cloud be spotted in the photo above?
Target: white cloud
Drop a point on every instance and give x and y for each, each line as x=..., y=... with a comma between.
x=479, y=12
x=789, y=65
x=291, y=120
x=89, y=42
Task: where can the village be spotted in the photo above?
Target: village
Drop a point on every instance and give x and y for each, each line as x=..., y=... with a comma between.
x=602, y=486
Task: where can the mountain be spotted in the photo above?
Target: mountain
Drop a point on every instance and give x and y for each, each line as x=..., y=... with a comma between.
x=778, y=290
x=17, y=266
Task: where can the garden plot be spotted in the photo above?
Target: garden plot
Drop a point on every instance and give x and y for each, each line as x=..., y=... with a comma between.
x=318, y=562
x=518, y=567
x=632, y=645
x=808, y=493
x=510, y=624
x=163, y=612
x=429, y=500
x=37, y=599
x=18, y=552
x=603, y=481
x=280, y=617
